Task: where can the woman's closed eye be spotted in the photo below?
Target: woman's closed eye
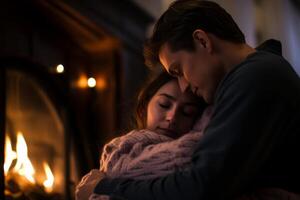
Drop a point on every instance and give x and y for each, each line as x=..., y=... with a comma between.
x=164, y=104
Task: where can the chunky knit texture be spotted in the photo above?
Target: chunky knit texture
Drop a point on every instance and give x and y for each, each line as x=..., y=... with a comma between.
x=143, y=154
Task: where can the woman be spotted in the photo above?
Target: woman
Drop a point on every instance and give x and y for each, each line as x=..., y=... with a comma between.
x=163, y=141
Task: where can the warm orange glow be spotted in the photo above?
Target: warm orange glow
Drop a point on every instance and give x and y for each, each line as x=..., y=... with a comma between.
x=48, y=183
x=101, y=83
x=23, y=165
x=91, y=82
x=10, y=155
x=82, y=82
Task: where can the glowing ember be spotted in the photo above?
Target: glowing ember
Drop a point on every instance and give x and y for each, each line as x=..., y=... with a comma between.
x=48, y=183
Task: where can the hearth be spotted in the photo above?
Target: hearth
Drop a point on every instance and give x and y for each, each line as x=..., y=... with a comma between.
x=37, y=150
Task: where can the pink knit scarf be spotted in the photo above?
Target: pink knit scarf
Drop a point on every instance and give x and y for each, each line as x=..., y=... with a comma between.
x=143, y=154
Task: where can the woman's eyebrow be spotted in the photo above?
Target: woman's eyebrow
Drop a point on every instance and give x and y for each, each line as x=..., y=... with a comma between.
x=167, y=95
x=188, y=103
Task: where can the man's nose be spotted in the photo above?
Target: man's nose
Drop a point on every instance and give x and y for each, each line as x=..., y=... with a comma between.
x=183, y=84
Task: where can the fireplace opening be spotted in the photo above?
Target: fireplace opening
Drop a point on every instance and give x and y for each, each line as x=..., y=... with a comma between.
x=36, y=151
x=65, y=125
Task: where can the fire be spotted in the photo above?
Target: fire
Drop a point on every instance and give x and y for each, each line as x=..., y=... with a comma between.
x=48, y=183
x=10, y=155
x=23, y=165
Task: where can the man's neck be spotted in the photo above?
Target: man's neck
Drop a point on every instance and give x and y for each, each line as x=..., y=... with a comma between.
x=233, y=54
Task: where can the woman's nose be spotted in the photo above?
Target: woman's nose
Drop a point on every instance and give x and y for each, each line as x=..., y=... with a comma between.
x=171, y=114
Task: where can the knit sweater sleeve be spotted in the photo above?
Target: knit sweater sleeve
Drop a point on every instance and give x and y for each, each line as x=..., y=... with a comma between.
x=247, y=125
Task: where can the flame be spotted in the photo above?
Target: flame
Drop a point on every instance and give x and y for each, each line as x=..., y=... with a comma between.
x=23, y=165
x=48, y=183
x=10, y=155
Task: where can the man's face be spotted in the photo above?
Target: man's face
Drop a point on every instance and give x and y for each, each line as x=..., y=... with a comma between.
x=198, y=70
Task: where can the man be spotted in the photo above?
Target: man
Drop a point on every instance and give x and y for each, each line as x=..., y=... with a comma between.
x=252, y=139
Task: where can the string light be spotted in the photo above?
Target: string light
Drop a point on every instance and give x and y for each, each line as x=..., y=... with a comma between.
x=60, y=68
x=91, y=82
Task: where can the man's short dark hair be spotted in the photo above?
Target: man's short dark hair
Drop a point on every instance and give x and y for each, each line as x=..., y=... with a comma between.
x=181, y=19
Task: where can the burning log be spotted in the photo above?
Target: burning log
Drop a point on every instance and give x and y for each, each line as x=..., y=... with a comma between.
x=19, y=190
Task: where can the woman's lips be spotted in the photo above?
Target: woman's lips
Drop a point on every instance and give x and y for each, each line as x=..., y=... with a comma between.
x=167, y=132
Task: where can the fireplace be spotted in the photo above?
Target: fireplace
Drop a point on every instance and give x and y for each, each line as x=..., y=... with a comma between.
x=63, y=119
x=37, y=149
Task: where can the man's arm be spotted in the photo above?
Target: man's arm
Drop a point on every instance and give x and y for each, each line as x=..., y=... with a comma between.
x=245, y=128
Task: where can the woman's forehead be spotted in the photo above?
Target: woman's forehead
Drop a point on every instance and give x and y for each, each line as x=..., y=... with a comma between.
x=171, y=90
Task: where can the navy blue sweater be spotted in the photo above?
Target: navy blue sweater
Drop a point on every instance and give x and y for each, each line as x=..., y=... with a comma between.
x=252, y=141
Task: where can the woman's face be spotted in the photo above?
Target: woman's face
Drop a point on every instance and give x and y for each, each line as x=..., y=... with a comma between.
x=171, y=112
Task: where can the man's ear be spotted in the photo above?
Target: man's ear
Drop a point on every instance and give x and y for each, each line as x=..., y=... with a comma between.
x=202, y=40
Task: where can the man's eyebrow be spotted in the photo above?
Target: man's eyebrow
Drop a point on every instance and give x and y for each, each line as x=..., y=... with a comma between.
x=174, y=69
x=172, y=66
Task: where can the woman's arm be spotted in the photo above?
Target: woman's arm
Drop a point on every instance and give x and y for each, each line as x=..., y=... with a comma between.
x=87, y=184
